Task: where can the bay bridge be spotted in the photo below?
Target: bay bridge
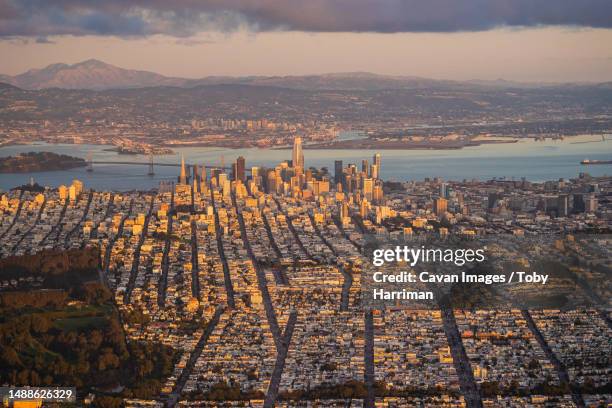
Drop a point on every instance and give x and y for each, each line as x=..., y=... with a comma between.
x=151, y=164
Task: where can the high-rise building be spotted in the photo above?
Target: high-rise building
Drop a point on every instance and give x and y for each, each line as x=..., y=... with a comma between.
x=72, y=194
x=227, y=188
x=240, y=169
x=63, y=192
x=492, y=199
x=440, y=206
x=222, y=177
x=363, y=208
x=579, y=205
x=294, y=182
x=271, y=183
x=196, y=173
x=338, y=171
x=214, y=175
x=563, y=205
x=590, y=203
x=374, y=170
x=297, y=157
x=376, y=160
x=308, y=175
x=348, y=183
x=78, y=186
x=444, y=190
x=183, y=175
x=365, y=167
x=377, y=195
x=241, y=190
x=196, y=179
x=324, y=186
x=368, y=188
x=344, y=210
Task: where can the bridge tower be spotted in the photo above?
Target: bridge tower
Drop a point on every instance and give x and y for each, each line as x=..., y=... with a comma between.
x=151, y=172
x=89, y=162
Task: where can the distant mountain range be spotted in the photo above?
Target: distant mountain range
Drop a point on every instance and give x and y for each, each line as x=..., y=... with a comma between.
x=97, y=75
x=90, y=74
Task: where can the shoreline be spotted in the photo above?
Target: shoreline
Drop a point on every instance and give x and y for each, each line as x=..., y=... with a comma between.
x=366, y=144
x=351, y=144
x=34, y=162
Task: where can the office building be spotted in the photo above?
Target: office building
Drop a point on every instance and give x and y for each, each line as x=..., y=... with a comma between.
x=578, y=203
x=240, y=172
x=375, y=174
x=196, y=179
x=222, y=177
x=183, y=176
x=338, y=171
x=563, y=205
x=590, y=203
x=365, y=168
x=63, y=192
x=297, y=157
x=72, y=194
x=444, y=190
x=440, y=206
x=367, y=188
x=377, y=195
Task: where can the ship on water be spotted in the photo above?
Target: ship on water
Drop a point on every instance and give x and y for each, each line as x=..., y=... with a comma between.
x=587, y=161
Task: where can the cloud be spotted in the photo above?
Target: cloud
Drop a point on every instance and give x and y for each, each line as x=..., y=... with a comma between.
x=185, y=18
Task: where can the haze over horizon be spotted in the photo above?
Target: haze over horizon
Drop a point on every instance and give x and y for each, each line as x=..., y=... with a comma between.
x=561, y=41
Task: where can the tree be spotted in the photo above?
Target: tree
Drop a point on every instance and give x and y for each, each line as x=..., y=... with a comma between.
x=23, y=378
x=9, y=356
x=95, y=339
x=107, y=402
x=108, y=360
x=40, y=324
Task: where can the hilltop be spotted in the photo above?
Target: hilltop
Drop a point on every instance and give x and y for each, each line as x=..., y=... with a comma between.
x=97, y=75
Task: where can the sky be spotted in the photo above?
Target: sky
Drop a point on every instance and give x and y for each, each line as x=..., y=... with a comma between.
x=522, y=40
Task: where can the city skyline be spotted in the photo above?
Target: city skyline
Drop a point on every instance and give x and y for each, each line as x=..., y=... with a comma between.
x=282, y=204
x=260, y=287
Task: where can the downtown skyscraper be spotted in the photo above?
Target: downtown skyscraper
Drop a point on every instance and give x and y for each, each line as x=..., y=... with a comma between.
x=297, y=157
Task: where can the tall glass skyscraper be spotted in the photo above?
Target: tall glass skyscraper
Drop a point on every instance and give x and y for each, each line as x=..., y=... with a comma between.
x=297, y=157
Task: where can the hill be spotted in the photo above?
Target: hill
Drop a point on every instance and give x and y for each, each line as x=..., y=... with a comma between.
x=97, y=75
x=90, y=74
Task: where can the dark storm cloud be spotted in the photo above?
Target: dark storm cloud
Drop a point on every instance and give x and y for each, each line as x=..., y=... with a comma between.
x=182, y=18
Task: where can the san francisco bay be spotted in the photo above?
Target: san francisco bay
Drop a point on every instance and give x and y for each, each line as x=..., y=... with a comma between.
x=534, y=160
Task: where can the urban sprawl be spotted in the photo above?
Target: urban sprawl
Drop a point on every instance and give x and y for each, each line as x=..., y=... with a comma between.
x=268, y=263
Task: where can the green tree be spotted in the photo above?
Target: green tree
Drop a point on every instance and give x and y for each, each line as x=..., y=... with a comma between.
x=9, y=356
